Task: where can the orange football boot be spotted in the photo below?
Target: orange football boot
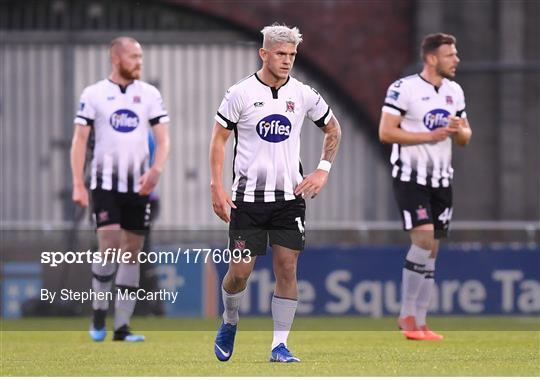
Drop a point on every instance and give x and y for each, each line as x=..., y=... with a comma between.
x=430, y=335
x=408, y=328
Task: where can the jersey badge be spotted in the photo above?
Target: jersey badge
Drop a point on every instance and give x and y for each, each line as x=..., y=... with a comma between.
x=136, y=99
x=449, y=100
x=290, y=106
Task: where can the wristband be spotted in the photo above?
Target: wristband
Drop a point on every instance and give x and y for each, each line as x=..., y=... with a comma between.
x=325, y=165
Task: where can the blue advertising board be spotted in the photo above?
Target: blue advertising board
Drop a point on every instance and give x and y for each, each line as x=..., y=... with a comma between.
x=21, y=281
x=193, y=279
x=366, y=280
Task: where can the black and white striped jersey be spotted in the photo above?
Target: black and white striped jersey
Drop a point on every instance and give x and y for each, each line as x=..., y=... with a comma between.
x=424, y=108
x=121, y=118
x=267, y=123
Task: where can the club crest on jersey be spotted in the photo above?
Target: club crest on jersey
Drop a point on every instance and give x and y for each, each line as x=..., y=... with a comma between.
x=274, y=128
x=449, y=100
x=136, y=99
x=436, y=118
x=124, y=120
x=290, y=106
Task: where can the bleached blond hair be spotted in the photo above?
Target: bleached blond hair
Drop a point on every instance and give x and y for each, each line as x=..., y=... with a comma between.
x=278, y=34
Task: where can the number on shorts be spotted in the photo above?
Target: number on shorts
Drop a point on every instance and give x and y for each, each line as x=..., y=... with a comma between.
x=446, y=215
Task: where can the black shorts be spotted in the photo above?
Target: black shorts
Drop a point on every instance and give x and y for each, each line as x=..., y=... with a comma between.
x=254, y=225
x=130, y=210
x=420, y=205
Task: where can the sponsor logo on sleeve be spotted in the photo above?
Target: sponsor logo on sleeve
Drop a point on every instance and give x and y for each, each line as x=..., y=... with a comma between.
x=392, y=94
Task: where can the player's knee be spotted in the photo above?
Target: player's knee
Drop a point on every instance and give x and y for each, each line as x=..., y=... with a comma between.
x=424, y=243
x=108, y=244
x=423, y=238
x=286, y=273
x=131, y=251
x=239, y=279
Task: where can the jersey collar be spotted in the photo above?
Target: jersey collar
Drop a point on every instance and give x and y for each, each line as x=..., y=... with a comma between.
x=123, y=89
x=431, y=84
x=274, y=89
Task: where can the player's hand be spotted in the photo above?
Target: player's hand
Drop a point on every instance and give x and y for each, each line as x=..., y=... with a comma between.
x=312, y=184
x=148, y=181
x=455, y=124
x=220, y=202
x=80, y=195
x=440, y=134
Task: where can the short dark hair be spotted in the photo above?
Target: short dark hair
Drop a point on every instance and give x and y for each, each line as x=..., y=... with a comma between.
x=433, y=41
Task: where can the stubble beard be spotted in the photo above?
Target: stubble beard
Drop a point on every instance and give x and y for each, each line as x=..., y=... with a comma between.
x=129, y=74
x=446, y=74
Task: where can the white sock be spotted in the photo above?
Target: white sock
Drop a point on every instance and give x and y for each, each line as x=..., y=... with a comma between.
x=231, y=304
x=413, y=276
x=424, y=295
x=283, y=310
x=102, y=282
x=127, y=278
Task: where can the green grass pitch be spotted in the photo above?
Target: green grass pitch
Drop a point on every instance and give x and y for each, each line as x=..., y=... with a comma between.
x=492, y=346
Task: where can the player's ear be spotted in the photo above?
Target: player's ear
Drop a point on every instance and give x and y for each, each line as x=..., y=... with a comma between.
x=115, y=58
x=263, y=54
x=431, y=59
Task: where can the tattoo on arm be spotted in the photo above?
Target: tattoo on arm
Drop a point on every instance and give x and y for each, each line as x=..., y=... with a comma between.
x=332, y=136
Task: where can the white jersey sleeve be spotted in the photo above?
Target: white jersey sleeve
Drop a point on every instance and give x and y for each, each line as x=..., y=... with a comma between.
x=86, y=113
x=317, y=110
x=230, y=109
x=396, y=100
x=158, y=113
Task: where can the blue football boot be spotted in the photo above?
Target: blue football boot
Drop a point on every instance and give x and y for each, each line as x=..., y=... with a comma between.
x=224, y=343
x=281, y=354
x=97, y=335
